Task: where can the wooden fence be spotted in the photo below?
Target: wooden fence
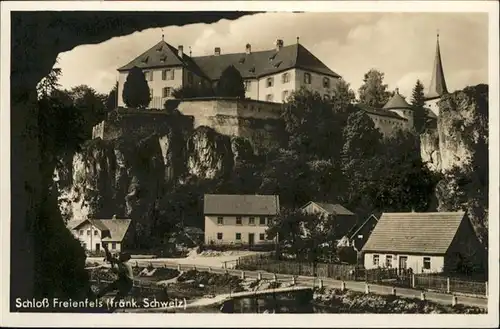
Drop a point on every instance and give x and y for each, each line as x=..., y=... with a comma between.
x=383, y=276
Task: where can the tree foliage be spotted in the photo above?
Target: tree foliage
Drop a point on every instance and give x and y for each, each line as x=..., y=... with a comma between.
x=231, y=83
x=373, y=91
x=112, y=99
x=193, y=91
x=136, y=90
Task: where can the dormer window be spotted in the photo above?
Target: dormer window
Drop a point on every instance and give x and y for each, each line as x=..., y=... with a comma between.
x=163, y=59
x=252, y=69
x=277, y=64
x=270, y=82
x=242, y=60
x=159, y=48
x=145, y=59
x=272, y=57
x=307, y=78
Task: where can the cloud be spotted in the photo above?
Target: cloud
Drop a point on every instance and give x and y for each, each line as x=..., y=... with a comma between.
x=401, y=45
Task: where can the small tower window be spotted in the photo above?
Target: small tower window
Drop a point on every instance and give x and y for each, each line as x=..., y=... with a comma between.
x=307, y=78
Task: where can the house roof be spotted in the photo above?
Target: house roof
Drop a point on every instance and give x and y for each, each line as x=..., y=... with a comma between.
x=162, y=55
x=262, y=63
x=234, y=204
x=380, y=112
x=397, y=102
x=421, y=233
x=357, y=229
x=116, y=227
x=333, y=209
x=252, y=65
x=193, y=230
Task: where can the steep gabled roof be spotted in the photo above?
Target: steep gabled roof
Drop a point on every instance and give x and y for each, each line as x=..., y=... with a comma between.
x=161, y=54
x=415, y=233
x=397, y=102
x=234, y=204
x=358, y=228
x=330, y=208
x=117, y=228
x=262, y=63
x=437, y=87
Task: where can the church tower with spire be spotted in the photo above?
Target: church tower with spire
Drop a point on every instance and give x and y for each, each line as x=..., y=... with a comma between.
x=437, y=86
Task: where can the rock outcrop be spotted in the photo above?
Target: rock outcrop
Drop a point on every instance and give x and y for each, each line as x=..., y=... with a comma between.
x=459, y=151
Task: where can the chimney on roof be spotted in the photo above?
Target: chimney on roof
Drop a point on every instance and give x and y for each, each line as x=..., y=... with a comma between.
x=217, y=51
x=248, y=48
x=190, y=52
x=279, y=44
x=181, y=51
x=397, y=91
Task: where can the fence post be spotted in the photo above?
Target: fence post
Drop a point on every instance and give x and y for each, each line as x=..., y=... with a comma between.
x=320, y=284
x=294, y=280
x=393, y=291
x=342, y=286
x=454, y=300
x=225, y=265
x=367, y=288
x=179, y=267
x=448, y=285
x=422, y=295
x=486, y=288
x=209, y=269
x=243, y=275
x=275, y=277
x=259, y=275
x=413, y=280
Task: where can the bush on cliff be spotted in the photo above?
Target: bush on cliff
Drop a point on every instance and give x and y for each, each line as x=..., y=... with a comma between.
x=136, y=90
x=193, y=91
x=231, y=83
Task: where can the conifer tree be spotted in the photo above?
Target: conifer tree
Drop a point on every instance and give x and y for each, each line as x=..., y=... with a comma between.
x=231, y=83
x=136, y=90
x=418, y=104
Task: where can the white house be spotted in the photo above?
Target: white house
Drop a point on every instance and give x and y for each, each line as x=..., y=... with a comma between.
x=425, y=242
x=238, y=219
x=94, y=233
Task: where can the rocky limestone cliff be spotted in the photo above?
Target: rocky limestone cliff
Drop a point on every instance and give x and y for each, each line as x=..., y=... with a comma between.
x=459, y=151
x=125, y=176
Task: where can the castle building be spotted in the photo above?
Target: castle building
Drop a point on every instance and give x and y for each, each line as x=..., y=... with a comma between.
x=269, y=75
x=397, y=114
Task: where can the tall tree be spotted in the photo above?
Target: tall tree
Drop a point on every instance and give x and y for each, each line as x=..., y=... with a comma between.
x=136, y=90
x=193, y=91
x=112, y=99
x=343, y=97
x=418, y=104
x=231, y=83
x=49, y=84
x=373, y=91
x=312, y=127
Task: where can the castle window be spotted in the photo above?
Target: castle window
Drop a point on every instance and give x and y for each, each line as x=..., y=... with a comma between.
x=269, y=97
x=270, y=82
x=285, y=77
x=277, y=64
x=272, y=56
x=148, y=75
x=238, y=220
x=326, y=82
x=220, y=220
x=247, y=85
x=238, y=236
x=167, y=74
x=262, y=236
x=251, y=221
x=307, y=78
x=285, y=95
x=219, y=236
x=167, y=92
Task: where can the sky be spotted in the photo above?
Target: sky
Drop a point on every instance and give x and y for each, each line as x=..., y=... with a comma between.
x=401, y=45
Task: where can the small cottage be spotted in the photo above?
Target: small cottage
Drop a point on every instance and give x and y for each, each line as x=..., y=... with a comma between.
x=94, y=233
x=425, y=242
x=344, y=218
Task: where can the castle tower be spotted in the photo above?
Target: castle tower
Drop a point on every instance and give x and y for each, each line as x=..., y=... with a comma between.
x=399, y=105
x=437, y=87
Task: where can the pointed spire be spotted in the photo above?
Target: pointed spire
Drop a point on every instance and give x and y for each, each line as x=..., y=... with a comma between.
x=437, y=87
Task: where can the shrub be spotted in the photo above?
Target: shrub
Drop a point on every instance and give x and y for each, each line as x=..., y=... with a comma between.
x=136, y=90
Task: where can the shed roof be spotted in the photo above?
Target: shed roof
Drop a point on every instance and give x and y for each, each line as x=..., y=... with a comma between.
x=234, y=204
x=421, y=233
